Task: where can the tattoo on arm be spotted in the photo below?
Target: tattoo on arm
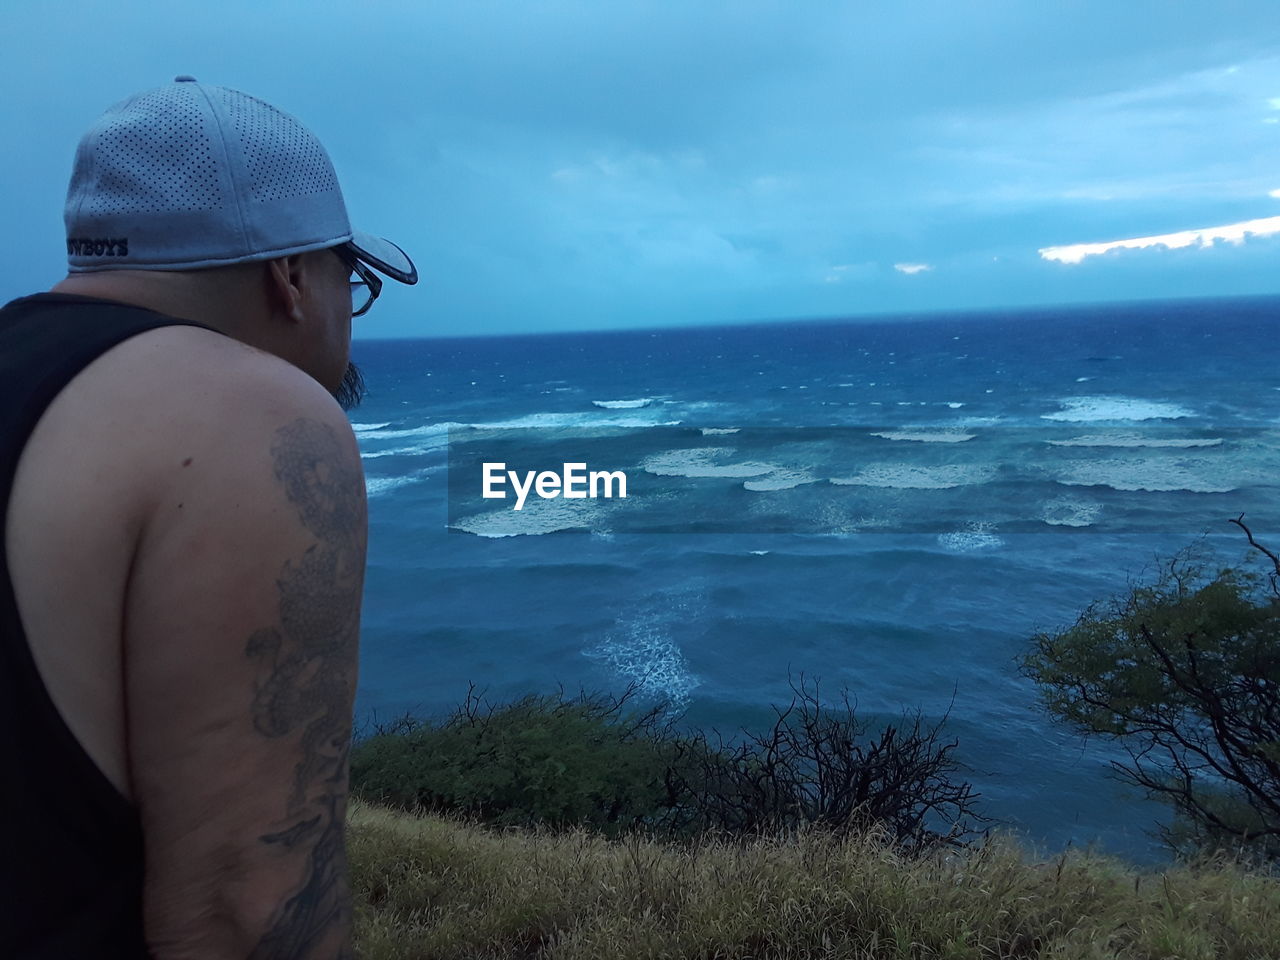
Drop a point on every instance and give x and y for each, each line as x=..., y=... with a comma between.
x=304, y=679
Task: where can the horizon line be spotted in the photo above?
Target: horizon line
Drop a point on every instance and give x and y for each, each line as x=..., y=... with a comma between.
x=900, y=315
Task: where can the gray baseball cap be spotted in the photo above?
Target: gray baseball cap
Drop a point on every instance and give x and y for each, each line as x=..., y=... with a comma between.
x=191, y=175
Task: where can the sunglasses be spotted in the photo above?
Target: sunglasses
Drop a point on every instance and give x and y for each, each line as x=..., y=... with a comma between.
x=365, y=290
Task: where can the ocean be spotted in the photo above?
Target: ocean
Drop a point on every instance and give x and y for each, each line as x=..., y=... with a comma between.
x=891, y=506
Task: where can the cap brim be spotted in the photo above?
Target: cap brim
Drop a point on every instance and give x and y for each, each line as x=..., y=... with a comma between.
x=384, y=256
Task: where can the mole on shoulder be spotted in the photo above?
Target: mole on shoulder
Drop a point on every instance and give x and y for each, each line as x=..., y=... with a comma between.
x=186, y=462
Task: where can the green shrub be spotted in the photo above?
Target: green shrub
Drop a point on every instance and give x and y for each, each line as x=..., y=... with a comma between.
x=543, y=759
x=589, y=761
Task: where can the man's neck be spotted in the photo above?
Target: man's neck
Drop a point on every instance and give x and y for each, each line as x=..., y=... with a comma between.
x=152, y=296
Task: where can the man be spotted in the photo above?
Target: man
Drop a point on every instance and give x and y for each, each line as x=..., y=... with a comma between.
x=184, y=545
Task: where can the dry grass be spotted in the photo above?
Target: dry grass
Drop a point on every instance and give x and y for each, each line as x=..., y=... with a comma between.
x=435, y=888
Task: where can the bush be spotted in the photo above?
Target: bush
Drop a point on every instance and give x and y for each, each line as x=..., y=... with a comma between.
x=817, y=765
x=1185, y=674
x=541, y=759
x=589, y=761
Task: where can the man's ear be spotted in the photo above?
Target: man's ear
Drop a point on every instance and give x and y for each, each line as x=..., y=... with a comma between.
x=285, y=276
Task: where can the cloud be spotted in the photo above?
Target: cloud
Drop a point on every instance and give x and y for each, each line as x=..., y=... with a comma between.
x=1188, y=137
x=861, y=272
x=1235, y=233
x=568, y=164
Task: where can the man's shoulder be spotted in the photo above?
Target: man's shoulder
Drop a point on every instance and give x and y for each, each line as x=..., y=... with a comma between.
x=201, y=376
x=182, y=406
x=162, y=359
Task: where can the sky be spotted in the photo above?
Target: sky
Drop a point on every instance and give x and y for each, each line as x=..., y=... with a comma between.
x=602, y=165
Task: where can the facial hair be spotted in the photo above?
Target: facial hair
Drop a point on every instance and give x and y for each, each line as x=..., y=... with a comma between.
x=352, y=389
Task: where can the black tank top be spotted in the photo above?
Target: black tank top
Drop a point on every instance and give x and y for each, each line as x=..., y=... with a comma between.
x=71, y=869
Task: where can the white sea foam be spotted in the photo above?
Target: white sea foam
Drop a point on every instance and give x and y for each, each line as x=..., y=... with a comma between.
x=624, y=404
x=780, y=480
x=641, y=649
x=427, y=430
x=954, y=405
x=927, y=436
x=718, y=431
x=904, y=476
x=696, y=404
x=363, y=427
x=376, y=486
x=537, y=517
x=380, y=486
x=580, y=420
x=759, y=553
x=976, y=536
x=1098, y=408
x=1134, y=440
x=569, y=421
x=1070, y=512
x=398, y=452
x=1152, y=475
x=702, y=462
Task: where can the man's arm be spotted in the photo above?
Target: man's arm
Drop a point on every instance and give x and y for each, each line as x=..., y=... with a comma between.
x=241, y=635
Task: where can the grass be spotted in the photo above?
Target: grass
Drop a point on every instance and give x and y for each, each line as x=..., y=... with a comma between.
x=440, y=888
